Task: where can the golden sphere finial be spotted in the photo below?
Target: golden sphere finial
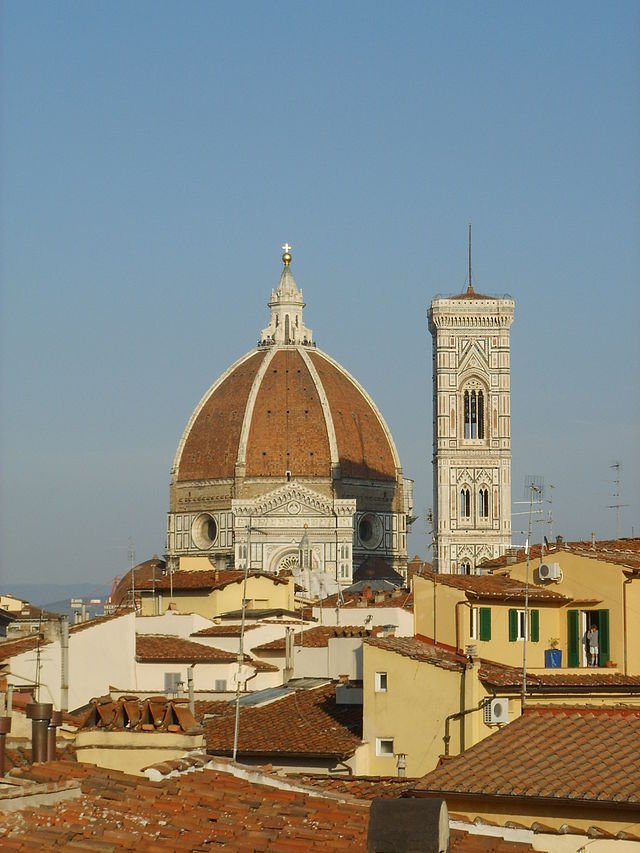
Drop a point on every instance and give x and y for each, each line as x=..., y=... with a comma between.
x=286, y=257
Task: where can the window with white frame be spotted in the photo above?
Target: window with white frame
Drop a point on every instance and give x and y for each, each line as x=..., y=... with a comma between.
x=384, y=747
x=521, y=624
x=381, y=682
x=473, y=623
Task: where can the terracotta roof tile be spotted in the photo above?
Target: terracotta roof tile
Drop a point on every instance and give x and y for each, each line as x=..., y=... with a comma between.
x=132, y=714
x=223, y=631
x=210, y=579
x=100, y=620
x=10, y=648
x=304, y=722
x=622, y=552
x=194, y=812
x=502, y=676
x=496, y=587
x=319, y=636
x=587, y=754
x=420, y=649
x=398, y=598
x=153, y=648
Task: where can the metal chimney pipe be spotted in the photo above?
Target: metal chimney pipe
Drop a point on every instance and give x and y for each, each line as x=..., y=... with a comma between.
x=5, y=728
x=39, y=713
x=56, y=720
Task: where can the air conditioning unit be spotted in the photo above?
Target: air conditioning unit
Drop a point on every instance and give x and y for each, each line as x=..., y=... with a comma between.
x=496, y=711
x=550, y=572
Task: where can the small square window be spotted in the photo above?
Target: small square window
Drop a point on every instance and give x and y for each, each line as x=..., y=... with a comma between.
x=381, y=682
x=384, y=746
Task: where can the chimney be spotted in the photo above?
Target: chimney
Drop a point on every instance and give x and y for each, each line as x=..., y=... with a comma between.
x=40, y=714
x=54, y=722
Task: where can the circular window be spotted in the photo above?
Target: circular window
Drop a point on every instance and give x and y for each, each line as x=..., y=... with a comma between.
x=204, y=531
x=370, y=530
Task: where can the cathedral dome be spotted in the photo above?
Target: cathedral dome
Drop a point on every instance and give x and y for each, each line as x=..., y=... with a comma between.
x=288, y=444
x=286, y=411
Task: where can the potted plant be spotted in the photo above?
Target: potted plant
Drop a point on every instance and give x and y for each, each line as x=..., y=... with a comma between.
x=553, y=655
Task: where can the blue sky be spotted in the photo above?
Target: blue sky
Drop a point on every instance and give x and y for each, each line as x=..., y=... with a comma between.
x=155, y=157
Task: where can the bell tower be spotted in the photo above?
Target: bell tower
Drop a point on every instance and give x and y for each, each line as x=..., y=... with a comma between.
x=471, y=428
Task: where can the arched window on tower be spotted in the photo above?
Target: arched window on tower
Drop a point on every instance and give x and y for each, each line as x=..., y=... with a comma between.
x=473, y=414
x=465, y=567
x=483, y=503
x=465, y=503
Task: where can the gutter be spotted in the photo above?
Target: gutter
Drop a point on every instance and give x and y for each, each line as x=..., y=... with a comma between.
x=525, y=799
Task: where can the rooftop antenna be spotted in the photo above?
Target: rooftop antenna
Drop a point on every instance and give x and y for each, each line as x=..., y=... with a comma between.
x=617, y=467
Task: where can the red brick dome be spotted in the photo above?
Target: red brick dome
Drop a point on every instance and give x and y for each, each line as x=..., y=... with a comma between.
x=286, y=408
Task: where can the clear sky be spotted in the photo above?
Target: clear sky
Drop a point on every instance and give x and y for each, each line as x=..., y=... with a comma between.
x=155, y=157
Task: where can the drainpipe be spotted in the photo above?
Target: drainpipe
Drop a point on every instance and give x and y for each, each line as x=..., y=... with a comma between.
x=628, y=580
x=192, y=702
x=465, y=603
x=64, y=663
x=458, y=716
x=435, y=611
x=5, y=728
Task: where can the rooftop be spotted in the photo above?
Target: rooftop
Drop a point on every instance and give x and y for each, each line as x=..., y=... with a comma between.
x=158, y=648
x=300, y=722
x=622, y=552
x=318, y=637
x=591, y=755
x=209, y=579
x=496, y=587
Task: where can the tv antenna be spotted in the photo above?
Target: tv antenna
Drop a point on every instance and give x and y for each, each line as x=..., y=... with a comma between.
x=617, y=468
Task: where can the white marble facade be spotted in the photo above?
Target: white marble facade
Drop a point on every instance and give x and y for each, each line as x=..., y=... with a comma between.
x=471, y=429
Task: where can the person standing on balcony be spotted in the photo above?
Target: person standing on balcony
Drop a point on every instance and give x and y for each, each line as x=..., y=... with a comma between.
x=593, y=646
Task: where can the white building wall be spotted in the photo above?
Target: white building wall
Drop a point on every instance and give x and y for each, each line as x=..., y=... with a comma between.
x=100, y=655
x=398, y=617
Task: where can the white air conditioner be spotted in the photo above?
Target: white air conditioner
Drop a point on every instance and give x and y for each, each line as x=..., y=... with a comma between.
x=550, y=572
x=496, y=711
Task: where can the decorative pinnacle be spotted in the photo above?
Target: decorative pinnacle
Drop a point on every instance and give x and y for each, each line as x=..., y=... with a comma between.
x=286, y=257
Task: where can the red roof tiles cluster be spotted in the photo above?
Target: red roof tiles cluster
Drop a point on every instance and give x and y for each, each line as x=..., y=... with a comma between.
x=151, y=648
x=496, y=586
x=318, y=637
x=203, y=580
x=397, y=598
x=131, y=714
x=159, y=648
x=590, y=755
x=622, y=552
x=502, y=676
x=304, y=723
x=196, y=812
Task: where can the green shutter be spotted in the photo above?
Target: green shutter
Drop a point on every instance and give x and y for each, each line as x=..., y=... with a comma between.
x=603, y=637
x=535, y=625
x=485, y=623
x=513, y=625
x=573, y=637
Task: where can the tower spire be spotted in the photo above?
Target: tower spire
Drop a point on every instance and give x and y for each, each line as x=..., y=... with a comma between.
x=470, y=290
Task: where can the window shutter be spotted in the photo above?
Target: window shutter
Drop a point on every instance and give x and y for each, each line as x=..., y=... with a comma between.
x=534, y=615
x=513, y=625
x=603, y=637
x=485, y=623
x=573, y=637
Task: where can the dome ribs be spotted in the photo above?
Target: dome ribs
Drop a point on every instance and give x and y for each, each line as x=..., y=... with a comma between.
x=211, y=444
x=363, y=446
x=287, y=431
